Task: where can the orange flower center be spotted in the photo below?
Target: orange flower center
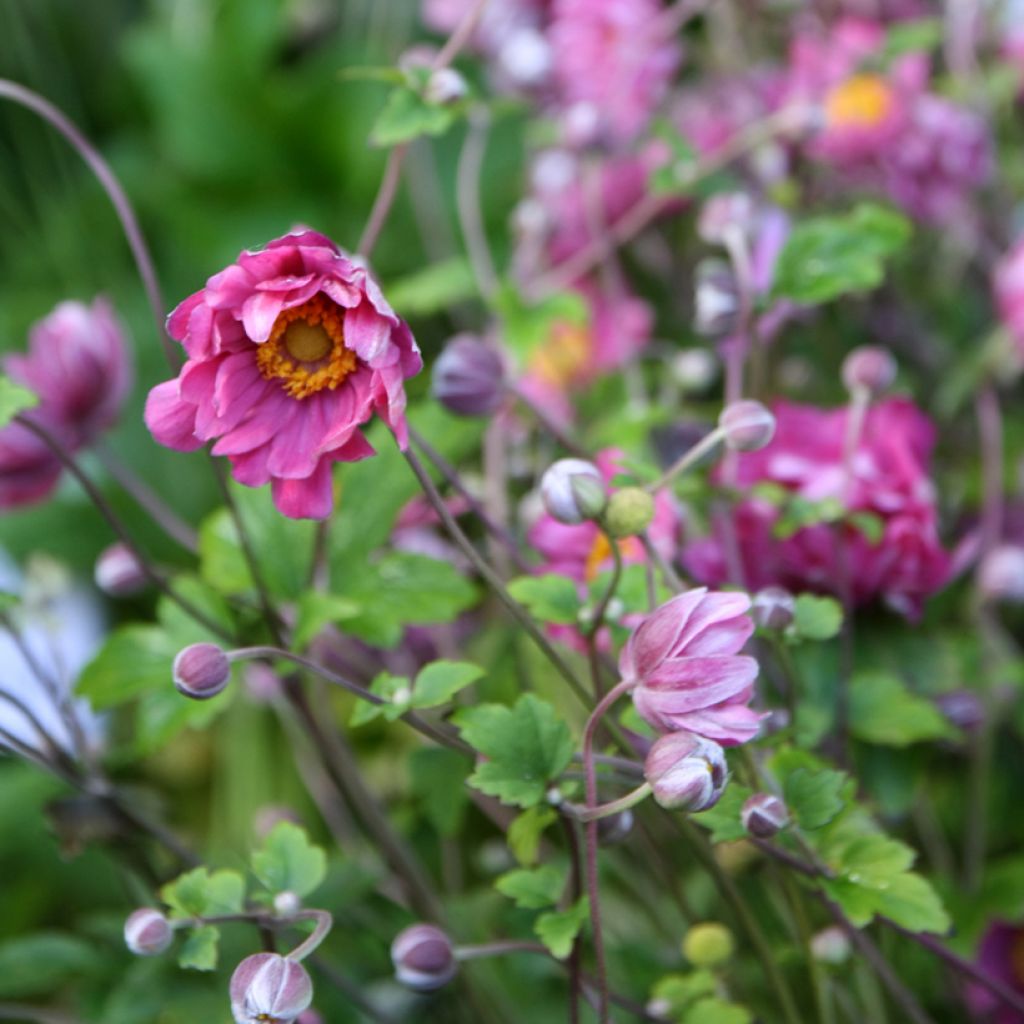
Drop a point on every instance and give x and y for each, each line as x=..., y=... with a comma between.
x=562, y=356
x=306, y=349
x=862, y=101
x=601, y=551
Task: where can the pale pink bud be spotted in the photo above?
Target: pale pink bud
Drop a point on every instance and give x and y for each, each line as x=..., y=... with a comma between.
x=747, y=425
x=869, y=369
x=201, y=671
x=269, y=988
x=118, y=571
x=424, y=958
x=573, y=491
x=147, y=932
x=686, y=771
x=764, y=815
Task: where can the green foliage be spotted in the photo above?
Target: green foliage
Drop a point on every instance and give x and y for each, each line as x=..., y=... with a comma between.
x=884, y=711
x=675, y=175
x=550, y=598
x=527, y=325
x=14, y=399
x=38, y=964
x=437, y=777
x=558, y=929
x=407, y=115
x=288, y=862
x=200, y=893
x=436, y=684
x=532, y=888
x=723, y=820
x=433, y=289
x=714, y=1010
x=316, y=610
x=817, y=618
x=199, y=951
x=525, y=832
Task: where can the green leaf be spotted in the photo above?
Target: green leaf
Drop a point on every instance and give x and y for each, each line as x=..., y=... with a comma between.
x=826, y=257
x=675, y=176
x=395, y=690
x=316, y=610
x=388, y=74
x=14, y=399
x=723, y=820
x=437, y=777
x=199, y=953
x=884, y=711
x=526, y=746
x=558, y=929
x=814, y=797
x=681, y=991
x=434, y=289
x=713, y=1010
x=407, y=115
x=532, y=888
x=132, y=660
x=525, y=831
x=911, y=902
x=198, y=893
x=817, y=618
x=526, y=326
x=550, y=598
x=288, y=861
x=439, y=681
x=918, y=36
x=39, y=964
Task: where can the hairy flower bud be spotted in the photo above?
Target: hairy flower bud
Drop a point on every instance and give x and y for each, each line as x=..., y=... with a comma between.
x=469, y=377
x=147, y=932
x=630, y=511
x=573, y=491
x=716, y=299
x=424, y=958
x=708, y=944
x=869, y=368
x=687, y=772
x=445, y=86
x=747, y=425
x=271, y=988
x=1001, y=574
x=118, y=572
x=201, y=671
x=764, y=815
x=772, y=608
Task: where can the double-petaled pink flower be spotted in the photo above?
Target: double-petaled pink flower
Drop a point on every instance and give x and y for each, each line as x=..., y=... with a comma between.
x=686, y=667
x=290, y=350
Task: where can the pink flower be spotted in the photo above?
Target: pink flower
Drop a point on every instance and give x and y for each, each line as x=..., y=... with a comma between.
x=1009, y=293
x=1000, y=955
x=683, y=659
x=889, y=485
x=29, y=471
x=290, y=350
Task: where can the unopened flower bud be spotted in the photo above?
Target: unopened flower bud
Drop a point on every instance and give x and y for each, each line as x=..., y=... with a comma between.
x=630, y=511
x=573, y=491
x=869, y=369
x=147, y=932
x=287, y=903
x=424, y=958
x=695, y=369
x=708, y=944
x=773, y=608
x=962, y=708
x=716, y=299
x=764, y=815
x=469, y=377
x=445, y=86
x=686, y=772
x=201, y=671
x=1001, y=574
x=747, y=425
x=830, y=945
x=268, y=987
x=615, y=827
x=118, y=572
x=724, y=214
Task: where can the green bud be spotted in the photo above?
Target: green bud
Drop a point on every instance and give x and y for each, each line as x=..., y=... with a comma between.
x=708, y=945
x=629, y=512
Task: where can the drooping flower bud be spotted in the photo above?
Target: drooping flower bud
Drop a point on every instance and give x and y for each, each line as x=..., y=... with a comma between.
x=118, y=572
x=424, y=957
x=573, y=491
x=830, y=945
x=445, y=86
x=201, y=671
x=747, y=425
x=267, y=987
x=687, y=772
x=630, y=511
x=764, y=815
x=469, y=377
x=708, y=944
x=147, y=932
x=772, y=608
x=1001, y=574
x=870, y=369
x=716, y=299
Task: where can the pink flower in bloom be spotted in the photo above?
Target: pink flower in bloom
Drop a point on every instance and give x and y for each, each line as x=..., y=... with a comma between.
x=688, y=674
x=290, y=350
x=1008, y=285
x=888, y=484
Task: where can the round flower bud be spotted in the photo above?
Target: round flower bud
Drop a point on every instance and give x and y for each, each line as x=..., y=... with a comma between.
x=686, y=772
x=201, y=671
x=747, y=425
x=869, y=368
x=716, y=299
x=268, y=987
x=708, y=944
x=830, y=945
x=469, y=377
x=772, y=608
x=573, y=491
x=287, y=903
x=630, y=511
x=118, y=572
x=764, y=815
x=445, y=86
x=1001, y=574
x=424, y=958
x=147, y=932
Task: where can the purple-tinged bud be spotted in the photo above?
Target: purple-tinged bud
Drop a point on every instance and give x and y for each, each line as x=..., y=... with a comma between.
x=962, y=708
x=147, y=932
x=747, y=425
x=269, y=988
x=831, y=945
x=764, y=815
x=716, y=299
x=687, y=772
x=726, y=214
x=1001, y=574
x=201, y=671
x=630, y=511
x=869, y=368
x=469, y=377
x=615, y=828
x=708, y=944
x=445, y=86
x=118, y=573
x=424, y=958
x=573, y=491
x=773, y=608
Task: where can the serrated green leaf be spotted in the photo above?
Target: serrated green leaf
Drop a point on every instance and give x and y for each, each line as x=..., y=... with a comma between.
x=814, y=797
x=558, y=929
x=315, y=610
x=198, y=893
x=288, y=861
x=525, y=831
x=912, y=903
x=407, y=115
x=817, y=618
x=723, y=820
x=550, y=598
x=884, y=711
x=533, y=888
x=439, y=681
x=14, y=399
x=199, y=952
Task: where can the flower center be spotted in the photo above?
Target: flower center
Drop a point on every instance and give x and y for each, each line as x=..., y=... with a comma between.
x=862, y=101
x=561, y=358
x=306, y=349
x=601, y=551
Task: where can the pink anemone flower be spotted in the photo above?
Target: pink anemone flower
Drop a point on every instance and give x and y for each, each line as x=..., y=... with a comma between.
x=291, y=349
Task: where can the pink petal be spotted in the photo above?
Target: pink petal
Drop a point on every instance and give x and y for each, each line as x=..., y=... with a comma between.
x=259, y=311
x=309, y=498
x=170, y=420
x=690, y=684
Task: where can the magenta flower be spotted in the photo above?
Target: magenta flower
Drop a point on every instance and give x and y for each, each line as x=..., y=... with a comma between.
x=1001, y=955
x=687, y=673
x=1008, y=284
x=290, y=350
x=29, y=471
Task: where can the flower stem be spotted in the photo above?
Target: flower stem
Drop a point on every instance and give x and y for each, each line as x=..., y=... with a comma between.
x=688, y=459
x=324, y=921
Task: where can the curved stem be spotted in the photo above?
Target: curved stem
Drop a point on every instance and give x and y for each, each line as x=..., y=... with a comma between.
x=324, y=922
x=688, y=459
x=467, y=199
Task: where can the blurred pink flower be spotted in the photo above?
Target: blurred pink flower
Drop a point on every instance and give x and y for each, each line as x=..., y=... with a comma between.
x=291, y=349
x=1008, y=284
x=29, y=471
x=1000, y=955
x=684, y=660
x=888, y=482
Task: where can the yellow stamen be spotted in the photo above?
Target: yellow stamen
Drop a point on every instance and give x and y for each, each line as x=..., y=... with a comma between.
x=862, y=101
x=601, y=551
x=306, y=349
x=561, y=358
